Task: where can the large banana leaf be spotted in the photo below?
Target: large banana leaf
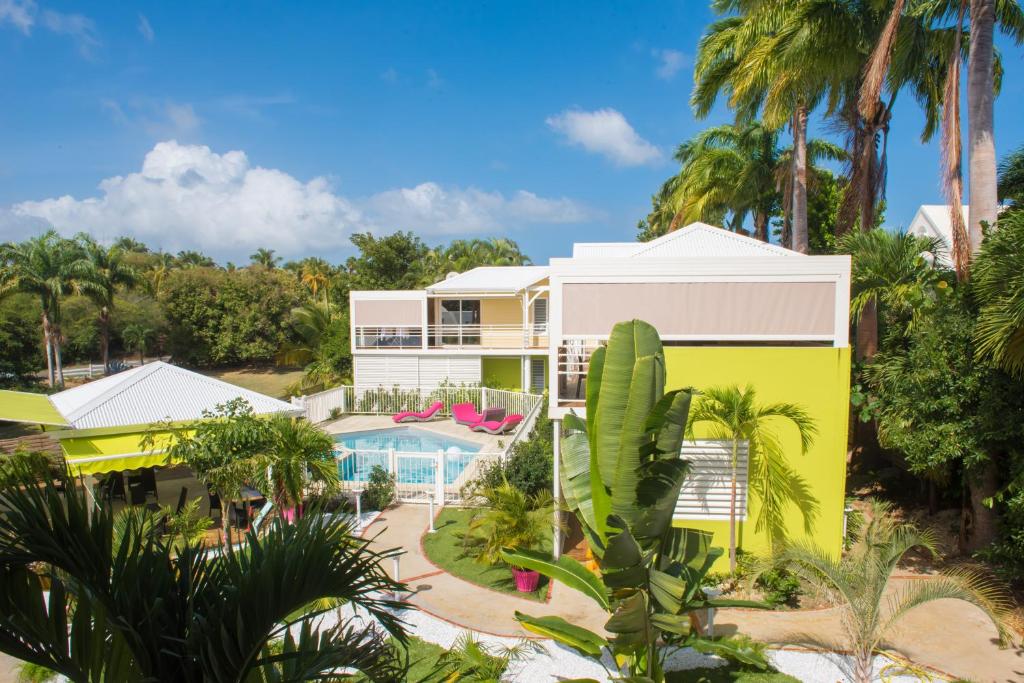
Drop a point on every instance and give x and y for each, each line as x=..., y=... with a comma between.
x=628, y=342
x=667, y=422
x=575, y=472
x=564, y=569
x=625, y=463
x=583, y=640
x=657, y=492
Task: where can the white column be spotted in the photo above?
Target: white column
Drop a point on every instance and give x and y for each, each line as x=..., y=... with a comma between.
x=556, y=425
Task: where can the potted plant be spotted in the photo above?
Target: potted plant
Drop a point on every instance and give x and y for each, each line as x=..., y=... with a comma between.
x=511, y=518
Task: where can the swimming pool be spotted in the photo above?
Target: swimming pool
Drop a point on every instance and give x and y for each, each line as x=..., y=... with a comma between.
x=416, y=453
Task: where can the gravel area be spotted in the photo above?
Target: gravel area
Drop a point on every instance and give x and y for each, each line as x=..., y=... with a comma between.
x=552, y=662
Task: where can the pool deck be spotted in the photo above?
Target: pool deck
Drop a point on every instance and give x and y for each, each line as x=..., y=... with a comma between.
x=443, y=427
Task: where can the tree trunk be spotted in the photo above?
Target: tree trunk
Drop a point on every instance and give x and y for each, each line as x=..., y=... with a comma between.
x=48, y=340
x=732, y=512
x=58, y=360
x=761, y=226
x=983, y=485
x=867, y=332
x=105, y=338
x=984, y=204
x=801, y=241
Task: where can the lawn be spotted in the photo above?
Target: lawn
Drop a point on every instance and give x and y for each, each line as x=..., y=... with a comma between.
x=445, y=549
x=272, y=381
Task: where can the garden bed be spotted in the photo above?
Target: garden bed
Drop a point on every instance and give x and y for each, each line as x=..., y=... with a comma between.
x=446, y=549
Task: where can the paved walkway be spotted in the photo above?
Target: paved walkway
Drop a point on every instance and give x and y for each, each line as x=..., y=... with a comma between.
x=947, y=635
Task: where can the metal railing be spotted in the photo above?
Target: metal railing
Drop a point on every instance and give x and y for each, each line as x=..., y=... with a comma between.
x=573, y=364
x=439, y=476
x=449, y=336
x=349, y=400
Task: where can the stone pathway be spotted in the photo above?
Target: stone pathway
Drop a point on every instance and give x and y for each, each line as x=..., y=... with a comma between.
x=948, y=636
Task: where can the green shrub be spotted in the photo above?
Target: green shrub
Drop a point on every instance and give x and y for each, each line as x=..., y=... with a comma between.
x=35, y=673
x=528, y=467
x=380, y=489
x=779, y=587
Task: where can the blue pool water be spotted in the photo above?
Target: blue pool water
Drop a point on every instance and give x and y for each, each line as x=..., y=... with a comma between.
x=416, y=448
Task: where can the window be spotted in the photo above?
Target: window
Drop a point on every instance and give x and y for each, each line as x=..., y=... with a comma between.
x=706, y=492
x=537, y=375
x=460, y=321
x=540, y=316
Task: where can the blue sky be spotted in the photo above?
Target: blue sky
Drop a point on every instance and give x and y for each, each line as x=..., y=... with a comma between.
x=290, y=125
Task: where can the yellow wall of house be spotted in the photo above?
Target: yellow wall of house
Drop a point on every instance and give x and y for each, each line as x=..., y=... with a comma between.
x=816, y=378
x=505, y=311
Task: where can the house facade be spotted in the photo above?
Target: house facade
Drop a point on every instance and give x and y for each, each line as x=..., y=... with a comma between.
x=730, y=311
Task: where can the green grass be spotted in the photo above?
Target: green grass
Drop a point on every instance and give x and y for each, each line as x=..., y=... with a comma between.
x=272, y=381
x=445, y=549
x=423, y=661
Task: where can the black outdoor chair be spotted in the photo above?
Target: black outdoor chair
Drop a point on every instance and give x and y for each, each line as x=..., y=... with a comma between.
x=136, y=492
x=182, y=498
x=214, y=502
x=113, y=487
x=240, y=516
x=148, y=478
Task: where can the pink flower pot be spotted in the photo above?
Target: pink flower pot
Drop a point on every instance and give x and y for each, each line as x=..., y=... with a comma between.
x=526, y=579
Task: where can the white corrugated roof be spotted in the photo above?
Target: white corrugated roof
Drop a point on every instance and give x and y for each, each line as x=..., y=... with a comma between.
x=151, y=393
x=933, y=220
x=602, y=249
x=703, y=240
x=509, y=279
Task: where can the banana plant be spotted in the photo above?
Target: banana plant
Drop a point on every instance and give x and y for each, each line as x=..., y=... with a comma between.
x=621, y=474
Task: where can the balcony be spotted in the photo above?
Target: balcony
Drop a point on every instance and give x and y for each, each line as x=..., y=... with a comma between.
x=453, y=336
x=573, y=364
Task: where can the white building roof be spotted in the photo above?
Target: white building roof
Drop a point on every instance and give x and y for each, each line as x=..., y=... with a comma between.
x=152, y=393
x=694, y=240
x=933, y=220
x=497, y=279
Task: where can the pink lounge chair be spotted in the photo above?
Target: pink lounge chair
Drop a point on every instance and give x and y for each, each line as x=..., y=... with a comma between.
x=495, y=427
x=465, y=414
x=421, y=416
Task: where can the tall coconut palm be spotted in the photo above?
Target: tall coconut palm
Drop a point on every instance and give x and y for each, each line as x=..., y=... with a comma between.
x=98, y=274
x=315, y=273
x=998, y=282
x=265, y=257
x=184, y=613
x=862, y=580
x=732, y=414
x=41, y=266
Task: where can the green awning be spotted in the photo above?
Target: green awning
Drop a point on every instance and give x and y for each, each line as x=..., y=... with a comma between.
x=21, y=406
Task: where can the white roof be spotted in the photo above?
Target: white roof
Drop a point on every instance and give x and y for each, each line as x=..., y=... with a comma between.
x=602, y=249
x=933, y=220
x=503, y=279
x=152, y=393
x=698, y=240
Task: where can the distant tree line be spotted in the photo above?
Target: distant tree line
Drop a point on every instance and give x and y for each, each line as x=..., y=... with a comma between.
x=74, y=300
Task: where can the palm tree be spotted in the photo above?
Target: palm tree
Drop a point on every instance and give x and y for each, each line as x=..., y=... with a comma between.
x=265, y=257
x=41, y=266
x=1011, y=177
x=471, y=661
x=298, y=455
x=313, y=324
x=161, y=265
x=998, y=283
x=891, y=270
x=861, y=580
x=315, y=273
x=98, y=274
x=136, y=337
x=184, y=613
x=193, y=259
x=733, y=414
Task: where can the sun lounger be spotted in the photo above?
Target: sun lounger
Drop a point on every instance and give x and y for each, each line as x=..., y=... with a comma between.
x=420, y=416
x=465, y=414
x=495, y=427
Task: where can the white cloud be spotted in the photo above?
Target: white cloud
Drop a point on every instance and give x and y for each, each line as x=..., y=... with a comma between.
x=158, y=118
x=428, y=207
x=605, y=132
x=146, y=29
x=20, y=13
x=80, y=28
x=669, y=62
x=188, y=196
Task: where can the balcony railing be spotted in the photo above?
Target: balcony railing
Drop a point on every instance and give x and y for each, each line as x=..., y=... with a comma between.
x=445, y=336
x=573, y=364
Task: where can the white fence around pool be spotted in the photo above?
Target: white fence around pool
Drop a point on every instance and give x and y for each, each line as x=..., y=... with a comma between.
x=419, y=477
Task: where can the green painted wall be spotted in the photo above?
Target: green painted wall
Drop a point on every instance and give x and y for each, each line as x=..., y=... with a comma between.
x=502, y=373
x=816, y=378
